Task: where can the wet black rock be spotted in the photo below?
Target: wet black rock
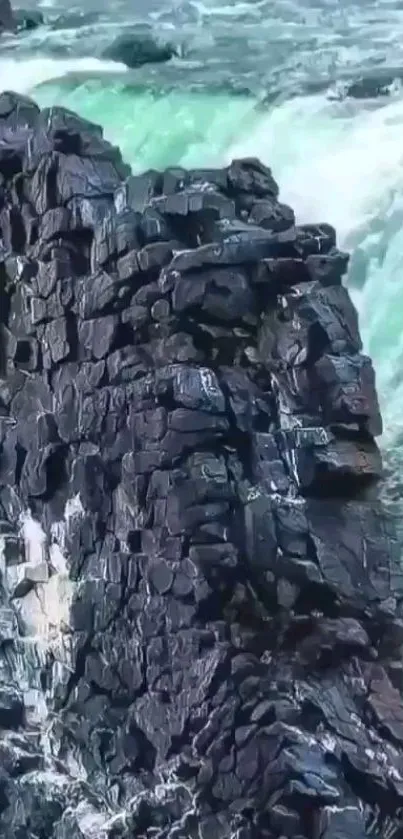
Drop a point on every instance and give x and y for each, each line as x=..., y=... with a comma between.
x=7, y=22
x=201, y=601
x=134, y=50
x=27, y=19
x=370, y=87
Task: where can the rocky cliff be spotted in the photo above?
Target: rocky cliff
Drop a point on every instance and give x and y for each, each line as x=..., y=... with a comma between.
x=201, y=599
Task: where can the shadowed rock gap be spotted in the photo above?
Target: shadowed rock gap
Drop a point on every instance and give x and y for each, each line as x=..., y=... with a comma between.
x=201, y=602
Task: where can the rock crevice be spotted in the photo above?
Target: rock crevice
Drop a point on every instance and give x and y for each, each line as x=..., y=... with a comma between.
x=201, y=594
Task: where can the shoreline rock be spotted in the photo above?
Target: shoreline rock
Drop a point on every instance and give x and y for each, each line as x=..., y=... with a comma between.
x=18, y=20
x=368, y=88
x=188, y=458
x=7, y=22
x=136, y=49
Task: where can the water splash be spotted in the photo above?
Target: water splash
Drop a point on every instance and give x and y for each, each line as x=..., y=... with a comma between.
x=24, y=76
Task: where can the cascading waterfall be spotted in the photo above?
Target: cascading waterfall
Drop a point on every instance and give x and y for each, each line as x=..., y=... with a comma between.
x=36, y=597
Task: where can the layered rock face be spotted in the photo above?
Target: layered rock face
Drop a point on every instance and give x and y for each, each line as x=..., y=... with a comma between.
x=201, y=600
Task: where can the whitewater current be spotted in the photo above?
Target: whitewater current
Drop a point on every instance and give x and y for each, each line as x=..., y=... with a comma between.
x=256, y=78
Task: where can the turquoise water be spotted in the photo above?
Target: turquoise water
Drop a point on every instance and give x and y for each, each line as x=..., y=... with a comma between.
x=159, y=129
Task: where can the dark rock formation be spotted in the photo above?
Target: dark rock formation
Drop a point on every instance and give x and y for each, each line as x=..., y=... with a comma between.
x=7, y=21
x=370, y=87
x=27, y=19
x=203, y=638
x=136, y=49
x=18, y=19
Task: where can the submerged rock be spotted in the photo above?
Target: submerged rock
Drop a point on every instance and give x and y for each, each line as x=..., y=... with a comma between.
x=201, y=603
x=370, y=87
x=134, y=50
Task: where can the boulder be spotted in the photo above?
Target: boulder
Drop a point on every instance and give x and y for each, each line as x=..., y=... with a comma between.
x=134, y=50
x=26, y=19
x=370, y=87
x=7, y=20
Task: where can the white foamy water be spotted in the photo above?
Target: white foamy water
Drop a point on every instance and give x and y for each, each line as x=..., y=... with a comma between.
x=343, y=163
x=334, y=161
x=40, y=594
x=23, y=76
x=34, y=540
x=45, y=609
